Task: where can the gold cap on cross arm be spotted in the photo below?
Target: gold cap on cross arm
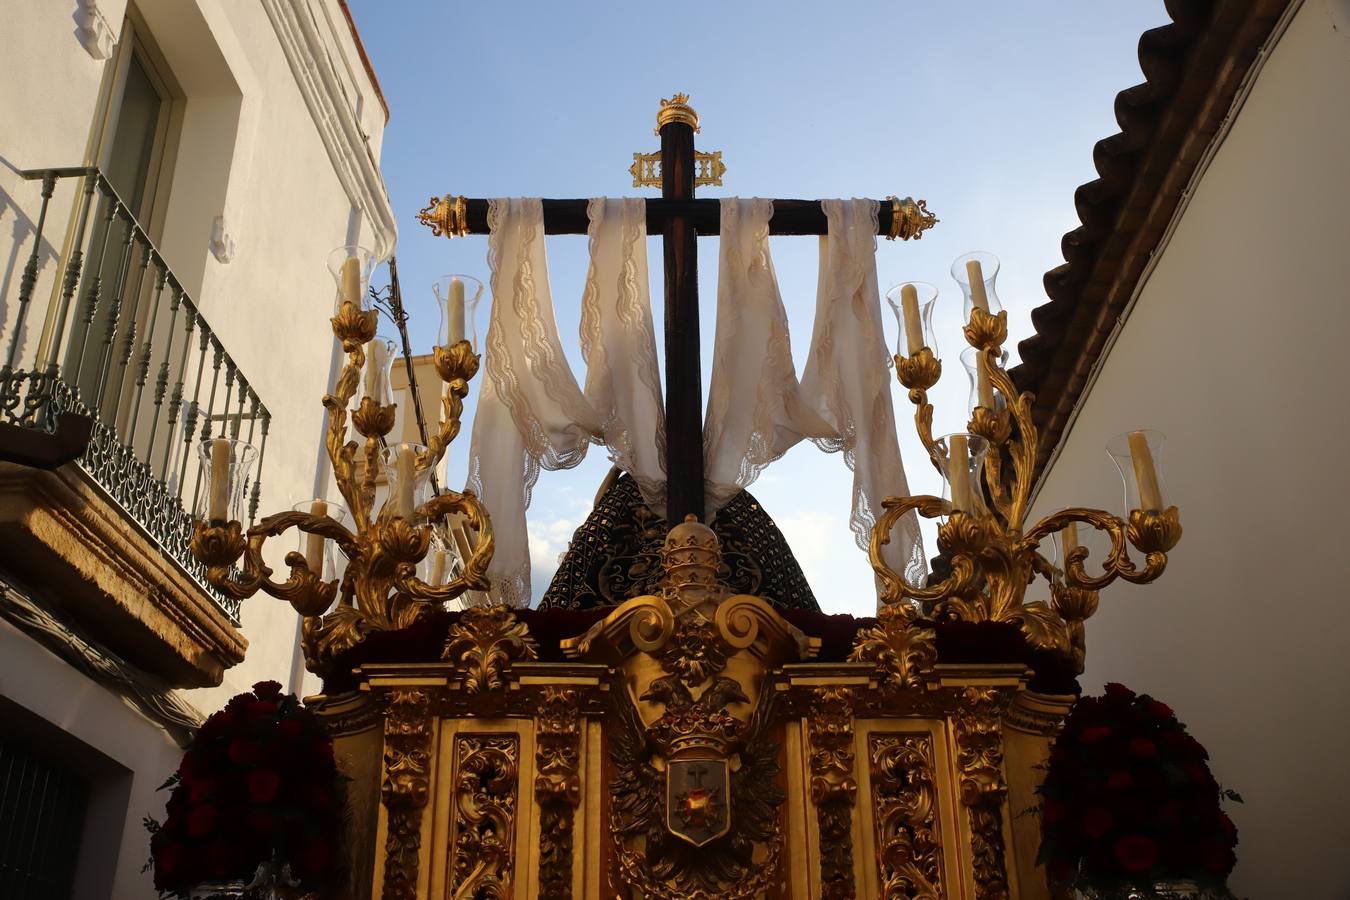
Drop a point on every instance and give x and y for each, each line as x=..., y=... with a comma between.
x=676, y=109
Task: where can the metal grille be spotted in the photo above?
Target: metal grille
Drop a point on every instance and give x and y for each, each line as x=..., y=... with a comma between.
x=42, y=806
x=121, y=342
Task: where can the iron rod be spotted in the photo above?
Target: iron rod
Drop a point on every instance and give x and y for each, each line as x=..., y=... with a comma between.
x=74, y=269
x=218, y=356
x=143, y=367
x=30, y=272
x=190, y=422
x=91, y=297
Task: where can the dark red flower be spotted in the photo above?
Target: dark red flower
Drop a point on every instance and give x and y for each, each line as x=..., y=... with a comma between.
x=222, y=857
x=261, y=822
x=1143, y=748
x=290, y=729
x=1053, y=811
x=193, y=764
x=244, y=752
x=1098, y=821
x=314, y=853
x=1198, y=773
x=1193, y=748
x=202, y=819
x=1226, y=825
x=1174, y=739
x=267, y=690
x=1159, y=710
x=169, y=856
x=1117, y=691
x=1136, y=853
x=202, y=788
x=1118, y=780
x=263, y=785
x=262, y=709
x=1217, y=858
x=1095, y=734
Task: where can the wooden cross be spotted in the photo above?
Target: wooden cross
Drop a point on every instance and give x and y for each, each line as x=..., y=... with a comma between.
x=680, y=218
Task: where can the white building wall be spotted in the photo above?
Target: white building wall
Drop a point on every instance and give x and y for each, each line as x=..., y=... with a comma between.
x=1235, y=351
x=251, y=147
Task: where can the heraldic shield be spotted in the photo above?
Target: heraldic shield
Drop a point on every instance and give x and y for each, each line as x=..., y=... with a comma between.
x=698, y=799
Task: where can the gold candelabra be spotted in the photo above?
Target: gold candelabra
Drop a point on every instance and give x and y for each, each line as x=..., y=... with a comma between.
x=992, y=555
x=380, y=588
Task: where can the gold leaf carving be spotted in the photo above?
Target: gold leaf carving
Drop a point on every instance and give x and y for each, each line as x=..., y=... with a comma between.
x=406, y=787
x=979, y=742
x=484, y=642
x=909, y=847
x=900, y=646
x=833, y=788
x=486, y=784
x=557, y=788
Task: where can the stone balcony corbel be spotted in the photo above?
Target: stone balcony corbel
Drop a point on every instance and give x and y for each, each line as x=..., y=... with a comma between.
x=81, y=553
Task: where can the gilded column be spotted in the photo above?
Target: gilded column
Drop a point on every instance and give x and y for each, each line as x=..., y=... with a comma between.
x=406, y=788
x=979, y=743
x=834, y=788
x=557, y=788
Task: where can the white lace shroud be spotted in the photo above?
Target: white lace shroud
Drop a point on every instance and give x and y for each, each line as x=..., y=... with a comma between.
x=756, y=412
x=531, y=411
x=618, y=341
x=847, y=378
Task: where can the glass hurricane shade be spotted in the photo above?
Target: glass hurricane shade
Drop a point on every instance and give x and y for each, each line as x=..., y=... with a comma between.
x=351, y=267
x=982, y=390
x=457, y=297
x=228, y=465
x=409, y=486
x=313, y=547
x=375, y=377
x=438, y=567
x=913, y=302
x=1138, y=458
x=981, y=266
x=960, y=457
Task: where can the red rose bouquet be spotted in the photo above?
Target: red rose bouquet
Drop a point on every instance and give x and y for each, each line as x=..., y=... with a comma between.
x=257, y=789
x=1129, y=801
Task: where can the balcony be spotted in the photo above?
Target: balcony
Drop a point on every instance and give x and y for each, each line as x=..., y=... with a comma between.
x=111, y=377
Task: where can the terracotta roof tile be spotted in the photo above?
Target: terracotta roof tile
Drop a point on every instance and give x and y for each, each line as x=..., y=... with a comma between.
x=1192, y=68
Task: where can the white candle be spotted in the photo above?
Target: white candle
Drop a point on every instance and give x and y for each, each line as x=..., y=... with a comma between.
x=314, y=542
x=975, y=274
x=351, y=280
x=455, y=313
x=438, y=568
x=218, y=509
x=375, y=366
x=958, y=471
x=1070, y=538
x=909, y=306
x=1145, y=475
x=405, y=463
x=984, y=388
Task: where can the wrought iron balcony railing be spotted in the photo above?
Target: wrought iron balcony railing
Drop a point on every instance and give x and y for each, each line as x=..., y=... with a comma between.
x=122, y=343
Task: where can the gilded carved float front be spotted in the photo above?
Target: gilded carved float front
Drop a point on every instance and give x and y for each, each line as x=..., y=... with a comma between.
x=694, y=744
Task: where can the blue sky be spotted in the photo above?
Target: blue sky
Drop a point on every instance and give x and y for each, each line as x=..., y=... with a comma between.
x=988, y=110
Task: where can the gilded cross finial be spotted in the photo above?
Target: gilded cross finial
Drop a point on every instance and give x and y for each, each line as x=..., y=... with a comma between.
x=676, y=109
x=646, y=167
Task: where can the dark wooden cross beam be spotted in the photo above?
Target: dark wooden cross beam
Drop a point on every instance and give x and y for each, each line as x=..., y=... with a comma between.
x=680, y=219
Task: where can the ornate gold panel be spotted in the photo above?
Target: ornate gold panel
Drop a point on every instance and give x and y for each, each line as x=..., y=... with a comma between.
x=905, y=810
x=834, y=788
x=486, y=792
